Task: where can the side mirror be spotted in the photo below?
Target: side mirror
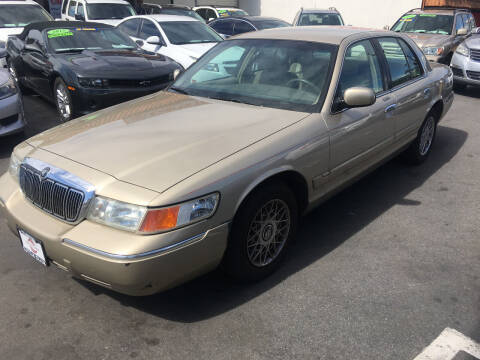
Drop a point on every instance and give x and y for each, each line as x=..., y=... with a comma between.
x=32, y=48
x=359, y=97
x=461, y=32
x=139, y=42
x=176, y=74
x=79, y=17
x=154, y=40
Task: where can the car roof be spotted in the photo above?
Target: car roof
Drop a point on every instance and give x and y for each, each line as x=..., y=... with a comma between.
x=320, y=11
x=40, y=26
x=324, y=34
x=437, y=11
x=164, y=18
x=107, y=2
x=18, y=2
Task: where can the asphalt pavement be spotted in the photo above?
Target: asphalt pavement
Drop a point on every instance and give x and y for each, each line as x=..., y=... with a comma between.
x=377, y=272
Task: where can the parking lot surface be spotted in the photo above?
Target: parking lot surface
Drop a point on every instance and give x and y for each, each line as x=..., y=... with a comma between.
x=377, y=272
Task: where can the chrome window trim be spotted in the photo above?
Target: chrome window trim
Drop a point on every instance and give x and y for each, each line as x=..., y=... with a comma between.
x=190, y=240
x=65, y=178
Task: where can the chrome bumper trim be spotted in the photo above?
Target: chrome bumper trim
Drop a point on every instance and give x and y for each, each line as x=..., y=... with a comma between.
x=135, y=256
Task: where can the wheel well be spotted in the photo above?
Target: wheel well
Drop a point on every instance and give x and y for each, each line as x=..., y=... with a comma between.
x=296, y=183
x=437, y=110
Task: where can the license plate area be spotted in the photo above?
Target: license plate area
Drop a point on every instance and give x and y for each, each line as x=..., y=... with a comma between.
x=33, y=247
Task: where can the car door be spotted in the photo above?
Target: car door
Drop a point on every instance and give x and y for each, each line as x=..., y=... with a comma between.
x=409, y=85
x=359, y=137
x=36, y=65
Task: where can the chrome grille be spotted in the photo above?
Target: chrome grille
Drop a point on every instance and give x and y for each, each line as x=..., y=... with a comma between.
x=475, y=55
x=475, y=75
x=53, y=197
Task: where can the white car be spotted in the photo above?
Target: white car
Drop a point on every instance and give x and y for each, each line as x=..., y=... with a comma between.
x=181, y=38
x=16, y=14
x=109, y=12
x=466, y=62
x=210, y=13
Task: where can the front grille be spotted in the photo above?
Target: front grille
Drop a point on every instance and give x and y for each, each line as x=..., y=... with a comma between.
x=8, y=120
x=457, y=72
x=475, y=55
x=143, y=83
x=475, y=75
x=53, y=197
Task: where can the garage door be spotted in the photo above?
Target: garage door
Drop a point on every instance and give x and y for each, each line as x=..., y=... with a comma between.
x=228, y=3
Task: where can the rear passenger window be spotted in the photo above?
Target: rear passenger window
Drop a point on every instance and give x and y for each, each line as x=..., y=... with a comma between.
x=413, y=62
x=396, y=60
x=361, y=67
x=459, y=23
x=224, y=27
x=80, y=10
x=71, y=8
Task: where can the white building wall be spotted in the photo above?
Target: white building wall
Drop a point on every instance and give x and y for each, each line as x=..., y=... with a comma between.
x=364, y=13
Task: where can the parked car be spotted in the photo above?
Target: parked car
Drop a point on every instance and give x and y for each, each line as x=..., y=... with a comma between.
x=170, y=9
x=466, y=61
x=437, y=32
x=83, y=67
x=105, y=11
x=318, y=17
x=209, y=13
x=11, y=107
x=181, y=38
x=14, y=15
x=230, y=26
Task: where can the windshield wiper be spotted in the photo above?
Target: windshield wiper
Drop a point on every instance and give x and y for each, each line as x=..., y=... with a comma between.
x=69, y=50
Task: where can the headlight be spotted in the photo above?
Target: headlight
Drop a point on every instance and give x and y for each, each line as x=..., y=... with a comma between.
x=436, y=51
x=142, y=219
x=91, y=82
x=462, y=49
x=8, y=89
x=14, y=167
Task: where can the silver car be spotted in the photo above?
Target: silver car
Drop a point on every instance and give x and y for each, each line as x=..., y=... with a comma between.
x=466, y=61
x=11, y=106
x=150, y=193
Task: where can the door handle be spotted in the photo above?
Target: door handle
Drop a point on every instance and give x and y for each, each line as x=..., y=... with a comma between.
x=390, y=108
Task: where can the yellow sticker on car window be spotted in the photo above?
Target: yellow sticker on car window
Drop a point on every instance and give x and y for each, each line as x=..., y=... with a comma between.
x=86, y=29
x=59, y=33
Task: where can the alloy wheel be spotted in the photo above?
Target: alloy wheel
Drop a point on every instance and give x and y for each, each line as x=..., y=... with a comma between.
x=63, y=102
x=426, y=138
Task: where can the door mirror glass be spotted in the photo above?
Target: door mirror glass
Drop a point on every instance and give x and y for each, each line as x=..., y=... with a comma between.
x=359, y=97
x=79, y=17
x=462, y=31
x=154, y=40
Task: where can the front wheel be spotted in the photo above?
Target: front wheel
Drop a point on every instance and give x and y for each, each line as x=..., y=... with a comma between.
x=63, y=100
x=13, y=73
x=421, y=147
x=261, y=233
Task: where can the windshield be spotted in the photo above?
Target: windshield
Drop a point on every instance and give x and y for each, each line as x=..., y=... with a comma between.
x=231, y=12
x=314, y=19
x=189, y=32
x=79, y=39
x=269, y=24
x=109, y=11
x=182, y=12
x=290, y=75
x=12, y=16
x=425, y=23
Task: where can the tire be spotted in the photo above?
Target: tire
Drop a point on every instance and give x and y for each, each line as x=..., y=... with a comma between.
x=13, y=73
x=421, y=147
x=63, y=100
x=250, y=257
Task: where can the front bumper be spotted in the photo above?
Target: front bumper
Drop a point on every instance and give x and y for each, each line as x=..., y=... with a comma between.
x=87, y=100
x=465, y=70
x=12, y=118
x=182, y=255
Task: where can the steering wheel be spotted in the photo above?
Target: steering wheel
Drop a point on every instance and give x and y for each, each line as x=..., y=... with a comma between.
x=313, y=86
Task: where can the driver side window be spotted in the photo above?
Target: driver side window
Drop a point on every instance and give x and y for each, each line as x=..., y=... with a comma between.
x=149, y=29
x=35, y=40
x=361, y=68
x=71, y=8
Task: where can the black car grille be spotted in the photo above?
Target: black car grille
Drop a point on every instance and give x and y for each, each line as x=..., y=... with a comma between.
x=8, y=120
x=475, y=55
x=143, y=83
x=457, y=72
x=475, y=75
x=55, y=198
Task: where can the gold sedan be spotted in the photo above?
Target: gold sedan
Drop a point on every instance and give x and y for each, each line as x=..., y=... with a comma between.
x=150, y=193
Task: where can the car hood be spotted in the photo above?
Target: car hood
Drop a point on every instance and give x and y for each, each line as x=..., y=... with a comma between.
x=195, y=50
x=427, y=40
x=5, y=32
x=473, y=42
x=113, y=64
x=159, y=140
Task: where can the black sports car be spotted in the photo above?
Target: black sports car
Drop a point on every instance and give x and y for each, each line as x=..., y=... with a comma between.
x=84, y=67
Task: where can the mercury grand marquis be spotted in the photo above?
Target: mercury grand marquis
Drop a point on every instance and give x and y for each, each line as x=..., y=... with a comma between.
x=148, y=194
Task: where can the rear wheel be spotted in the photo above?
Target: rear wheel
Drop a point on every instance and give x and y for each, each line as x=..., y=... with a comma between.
x=63, y=100
x=421, y=147
x=261, y=233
